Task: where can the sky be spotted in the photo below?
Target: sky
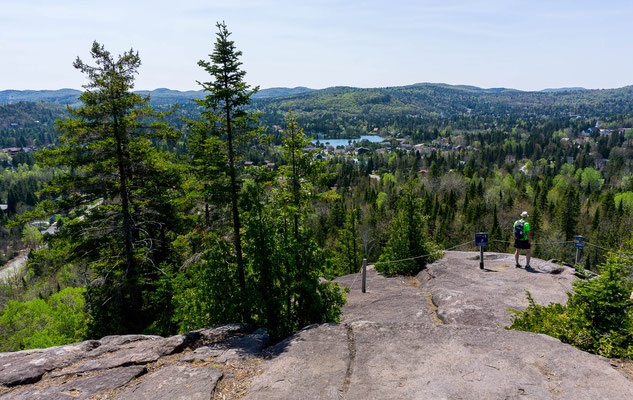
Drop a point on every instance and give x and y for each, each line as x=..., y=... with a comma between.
x=522, y=44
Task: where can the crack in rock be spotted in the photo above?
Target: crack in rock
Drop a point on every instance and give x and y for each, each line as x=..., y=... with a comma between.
x=352, y=358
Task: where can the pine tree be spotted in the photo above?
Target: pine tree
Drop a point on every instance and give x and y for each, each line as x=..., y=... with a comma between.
x=496, y=236
x=115, y=175
x=348, y=246
x=568, y=212
x=408, y=238
x=225, y=106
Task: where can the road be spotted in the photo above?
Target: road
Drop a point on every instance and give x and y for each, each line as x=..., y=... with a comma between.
x=14, y=266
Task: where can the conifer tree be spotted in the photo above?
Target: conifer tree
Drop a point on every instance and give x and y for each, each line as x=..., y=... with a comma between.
x=225, y=107
x=114, y=176
x=349, y=246
x=408, y=240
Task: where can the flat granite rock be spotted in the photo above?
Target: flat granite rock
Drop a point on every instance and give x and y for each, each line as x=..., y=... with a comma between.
x=80, y=389
x=176, y=382
x=393, y=346
x=465, y=294
x=312, y=364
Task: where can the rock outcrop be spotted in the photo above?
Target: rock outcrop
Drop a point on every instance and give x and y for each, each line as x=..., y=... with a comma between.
x=439, y=335
x=130, y=366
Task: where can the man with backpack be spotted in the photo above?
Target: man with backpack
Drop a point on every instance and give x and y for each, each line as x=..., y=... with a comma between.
x=522, y=239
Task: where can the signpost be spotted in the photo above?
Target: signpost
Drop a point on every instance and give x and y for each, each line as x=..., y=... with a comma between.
x=481, y=240
x=579, y=243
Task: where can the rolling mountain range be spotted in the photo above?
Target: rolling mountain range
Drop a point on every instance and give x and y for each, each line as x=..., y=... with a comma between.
x=419, y=100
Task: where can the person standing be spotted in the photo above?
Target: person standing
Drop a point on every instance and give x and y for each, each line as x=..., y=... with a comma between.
x=522, y=239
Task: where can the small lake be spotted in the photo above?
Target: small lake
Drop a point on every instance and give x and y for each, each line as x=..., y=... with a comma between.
x=345, y=142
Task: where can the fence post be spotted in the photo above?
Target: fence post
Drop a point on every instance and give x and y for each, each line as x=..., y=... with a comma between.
x=364, y=289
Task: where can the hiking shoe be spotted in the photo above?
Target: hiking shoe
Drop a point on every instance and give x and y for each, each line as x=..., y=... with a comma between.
x=518, y=265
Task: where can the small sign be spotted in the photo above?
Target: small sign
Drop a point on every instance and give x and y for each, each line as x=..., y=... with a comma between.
x=481, y=239
x=579, y=242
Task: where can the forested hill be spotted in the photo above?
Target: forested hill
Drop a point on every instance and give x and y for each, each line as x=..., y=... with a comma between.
x=158, y=96
x=439, y=100
x=419, y=100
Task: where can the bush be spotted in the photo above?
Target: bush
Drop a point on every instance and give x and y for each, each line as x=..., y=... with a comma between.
x=37, y=323
x=596, y=318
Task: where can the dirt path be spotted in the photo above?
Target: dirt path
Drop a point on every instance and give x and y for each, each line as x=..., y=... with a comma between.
x=14, y=266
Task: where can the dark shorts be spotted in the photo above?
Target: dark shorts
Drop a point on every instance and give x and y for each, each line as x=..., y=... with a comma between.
x=521, y=244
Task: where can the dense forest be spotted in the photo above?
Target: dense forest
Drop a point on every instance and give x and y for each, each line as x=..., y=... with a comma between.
x=138, y=216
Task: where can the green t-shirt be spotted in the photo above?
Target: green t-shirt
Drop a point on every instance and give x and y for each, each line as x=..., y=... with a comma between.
x=526, y=227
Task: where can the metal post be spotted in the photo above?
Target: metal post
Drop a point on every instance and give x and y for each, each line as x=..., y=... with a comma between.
x=364, y=275
x=577, y=255
x=481, y=257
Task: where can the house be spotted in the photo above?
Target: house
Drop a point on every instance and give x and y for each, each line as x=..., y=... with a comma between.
x=11, y=150
x=362, y=150
x=423, y=171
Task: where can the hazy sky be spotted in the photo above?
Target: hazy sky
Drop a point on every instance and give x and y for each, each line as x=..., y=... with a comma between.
x=528, y=45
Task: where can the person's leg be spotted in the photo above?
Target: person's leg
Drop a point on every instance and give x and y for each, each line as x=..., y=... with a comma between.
x=516, y=256
x=528, y=255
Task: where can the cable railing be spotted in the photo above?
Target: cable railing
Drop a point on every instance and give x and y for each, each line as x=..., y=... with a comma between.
x=546, y=242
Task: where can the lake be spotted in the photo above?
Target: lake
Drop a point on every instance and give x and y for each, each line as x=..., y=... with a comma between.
x=345, y=142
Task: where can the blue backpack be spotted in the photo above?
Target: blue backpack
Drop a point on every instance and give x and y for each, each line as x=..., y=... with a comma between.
x=518, y=230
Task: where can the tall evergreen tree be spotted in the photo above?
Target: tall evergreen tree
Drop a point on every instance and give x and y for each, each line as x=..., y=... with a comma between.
x=225, y=105
x=113, y=174
x=408, y=241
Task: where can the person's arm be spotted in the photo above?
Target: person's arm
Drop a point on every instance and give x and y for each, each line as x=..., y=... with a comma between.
x=529, y=235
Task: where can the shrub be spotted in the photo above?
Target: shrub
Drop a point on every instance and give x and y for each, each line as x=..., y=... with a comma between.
x=596, y=318
x=37, y=323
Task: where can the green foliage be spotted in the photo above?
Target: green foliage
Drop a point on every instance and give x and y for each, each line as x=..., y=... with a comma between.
x=596, y=317
x=348, y=248
x=37, y=323
x=407, y=239
x=206, y=291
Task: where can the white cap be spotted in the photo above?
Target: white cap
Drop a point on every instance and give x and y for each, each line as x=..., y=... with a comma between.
x=524, y=214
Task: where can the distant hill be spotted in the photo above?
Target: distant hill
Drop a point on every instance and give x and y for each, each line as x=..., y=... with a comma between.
x=158, y=96
x=61, y=96
x=442, y=100
x=281, y=92
x=430, y=100
x=563, y=89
